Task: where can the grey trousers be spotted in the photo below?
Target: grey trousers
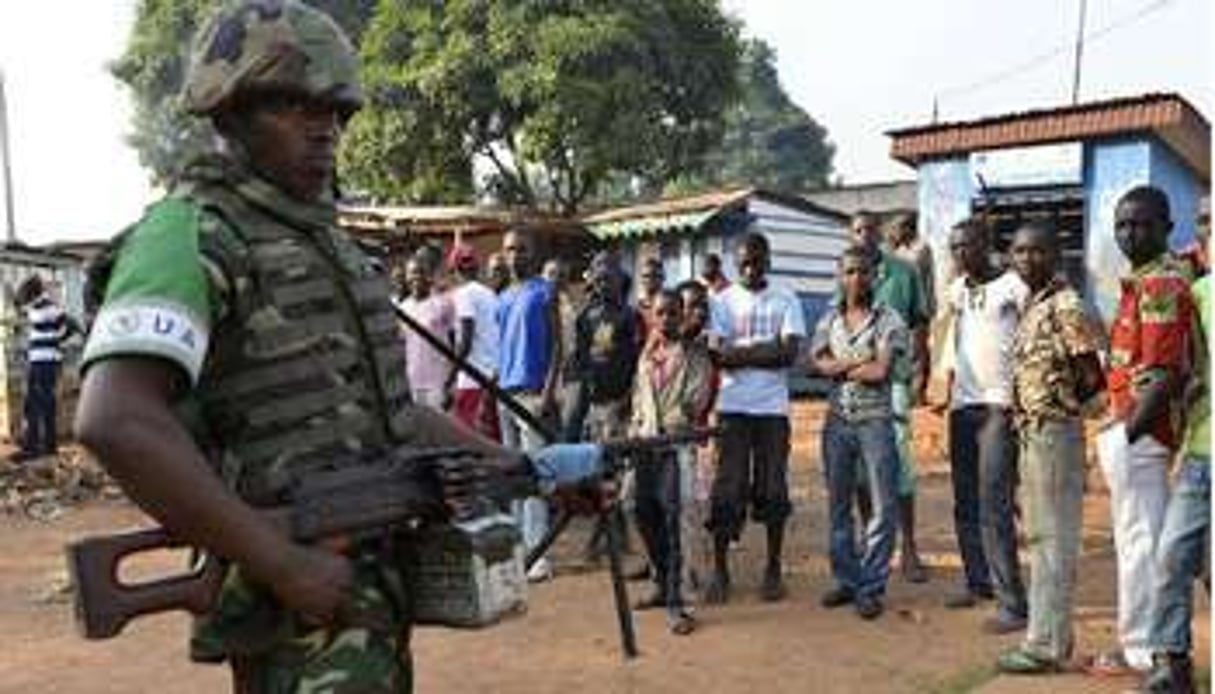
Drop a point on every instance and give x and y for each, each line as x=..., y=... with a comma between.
x=1052, y=479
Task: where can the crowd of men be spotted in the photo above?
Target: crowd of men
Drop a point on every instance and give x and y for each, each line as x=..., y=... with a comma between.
x=241, y=342
x=1025, y=360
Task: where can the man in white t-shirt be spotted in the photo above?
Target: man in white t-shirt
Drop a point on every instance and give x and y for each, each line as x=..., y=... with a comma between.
x=985, y=307
x=476, y=342
x=757, y=328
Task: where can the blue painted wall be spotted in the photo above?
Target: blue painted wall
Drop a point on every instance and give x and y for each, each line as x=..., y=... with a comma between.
x=946, y=191
x=1183, y=187
x=1111, y=169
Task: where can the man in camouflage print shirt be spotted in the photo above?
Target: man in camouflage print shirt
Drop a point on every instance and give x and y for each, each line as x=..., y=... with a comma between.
x=1056, y=370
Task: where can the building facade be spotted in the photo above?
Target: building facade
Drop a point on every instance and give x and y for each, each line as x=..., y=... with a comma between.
x=1067, y=166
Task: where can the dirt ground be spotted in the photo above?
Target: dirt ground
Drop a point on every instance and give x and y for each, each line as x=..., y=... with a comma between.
x=568, y=641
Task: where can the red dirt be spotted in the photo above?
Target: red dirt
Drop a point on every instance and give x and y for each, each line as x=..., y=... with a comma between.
x=567, y=642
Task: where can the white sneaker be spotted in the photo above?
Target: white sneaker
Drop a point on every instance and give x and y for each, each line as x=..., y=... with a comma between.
x=541, y=571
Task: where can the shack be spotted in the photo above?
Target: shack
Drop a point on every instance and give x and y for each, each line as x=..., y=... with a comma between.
x=883, y=198
x=1067, y=166
x=806, y=238
x=399, y=230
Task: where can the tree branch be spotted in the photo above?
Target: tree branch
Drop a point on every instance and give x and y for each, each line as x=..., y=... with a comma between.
x=514, y=177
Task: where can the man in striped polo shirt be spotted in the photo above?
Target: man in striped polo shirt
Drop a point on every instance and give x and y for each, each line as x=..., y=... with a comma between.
x=47, y=326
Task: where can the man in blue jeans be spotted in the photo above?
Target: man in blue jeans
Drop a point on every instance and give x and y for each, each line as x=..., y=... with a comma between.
x=855, y=344
x=529, y=325
x=1184, y=539
x=984, y=310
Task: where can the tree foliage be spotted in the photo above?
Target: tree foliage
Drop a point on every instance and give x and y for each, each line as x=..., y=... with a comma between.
x=532, y=102
x=769, y=140
x=547, y=98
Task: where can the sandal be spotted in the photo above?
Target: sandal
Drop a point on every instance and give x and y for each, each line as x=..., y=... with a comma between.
x=652, y=601
x=1019, y=661
x=1110, y=664
x=681, y=624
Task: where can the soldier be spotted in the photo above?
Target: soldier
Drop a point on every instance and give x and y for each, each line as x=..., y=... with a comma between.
x=242, y=341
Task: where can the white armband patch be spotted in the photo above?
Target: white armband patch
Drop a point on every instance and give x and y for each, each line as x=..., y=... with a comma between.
x=149, y=327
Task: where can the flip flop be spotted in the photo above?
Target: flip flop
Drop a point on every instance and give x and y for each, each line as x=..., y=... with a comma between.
x=1109, y=664
x=682, y=624
x=1022, y=662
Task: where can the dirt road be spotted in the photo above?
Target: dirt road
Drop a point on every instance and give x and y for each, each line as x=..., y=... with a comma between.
x=567, y=642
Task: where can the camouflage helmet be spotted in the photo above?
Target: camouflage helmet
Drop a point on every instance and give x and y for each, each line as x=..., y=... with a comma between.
x=251, y=46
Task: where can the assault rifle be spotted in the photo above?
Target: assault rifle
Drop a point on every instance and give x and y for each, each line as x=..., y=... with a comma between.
x=401, y=492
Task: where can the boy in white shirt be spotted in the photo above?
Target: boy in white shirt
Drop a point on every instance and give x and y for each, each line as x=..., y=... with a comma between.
x=758, y=327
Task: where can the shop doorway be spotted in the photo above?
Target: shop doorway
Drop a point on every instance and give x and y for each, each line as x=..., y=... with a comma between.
x=1061, y=207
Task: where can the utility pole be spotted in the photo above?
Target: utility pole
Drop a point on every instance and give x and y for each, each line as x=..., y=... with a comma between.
x=1079, y=53
x=9, y=213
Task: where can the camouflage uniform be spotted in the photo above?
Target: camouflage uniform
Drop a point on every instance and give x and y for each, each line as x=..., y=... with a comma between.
x=286, y=333
x=1054, y=330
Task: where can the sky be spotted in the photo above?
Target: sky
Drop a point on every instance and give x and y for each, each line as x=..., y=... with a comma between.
x=859, y=67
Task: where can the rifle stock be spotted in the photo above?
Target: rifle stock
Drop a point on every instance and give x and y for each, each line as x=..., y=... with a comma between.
x=334, y=503
x=103, y=604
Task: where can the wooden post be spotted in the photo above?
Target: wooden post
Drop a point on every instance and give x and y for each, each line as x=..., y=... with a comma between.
x=9, y=212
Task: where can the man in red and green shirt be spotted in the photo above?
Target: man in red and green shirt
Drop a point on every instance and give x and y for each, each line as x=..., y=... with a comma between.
x=1149, y=354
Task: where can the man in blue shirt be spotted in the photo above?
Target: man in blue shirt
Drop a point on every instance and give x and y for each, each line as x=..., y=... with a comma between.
x=530, y=352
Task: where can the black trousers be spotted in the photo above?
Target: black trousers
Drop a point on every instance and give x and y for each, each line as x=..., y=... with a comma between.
x=657, y=512
x=753, y=471
x=983, y=458
x=41, y=380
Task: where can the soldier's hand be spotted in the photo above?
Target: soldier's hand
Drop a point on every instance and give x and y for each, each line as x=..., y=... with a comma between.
x=313, y=582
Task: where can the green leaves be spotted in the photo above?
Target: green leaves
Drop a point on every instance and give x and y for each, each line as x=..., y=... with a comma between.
x=546, y=98
x=769, y=141
x=531, y=102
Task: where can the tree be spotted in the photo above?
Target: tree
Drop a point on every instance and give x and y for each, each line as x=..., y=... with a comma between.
x=551, y=97
x=153, y=66
x=769, y=140
x=533, y=102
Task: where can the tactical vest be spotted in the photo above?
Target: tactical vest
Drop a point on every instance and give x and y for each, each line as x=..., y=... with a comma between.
x=307, y=369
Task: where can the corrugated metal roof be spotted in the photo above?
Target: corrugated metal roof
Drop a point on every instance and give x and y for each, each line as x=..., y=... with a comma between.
x=1169, y=116
x=652, y=224
x=439, y=219
x=686, y=214
x=714, y=200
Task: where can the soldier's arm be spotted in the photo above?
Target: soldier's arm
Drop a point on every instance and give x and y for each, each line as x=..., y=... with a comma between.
x=125, y=419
